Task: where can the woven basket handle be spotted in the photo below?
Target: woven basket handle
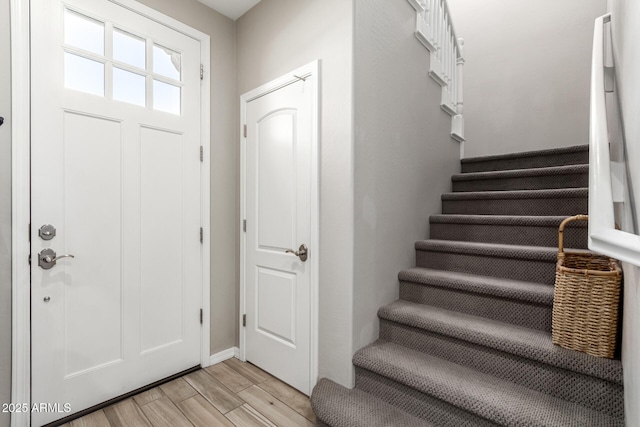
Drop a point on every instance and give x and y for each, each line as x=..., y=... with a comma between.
x=561, y=231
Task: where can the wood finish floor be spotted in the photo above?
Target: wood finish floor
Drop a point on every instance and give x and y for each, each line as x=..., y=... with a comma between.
x=228, y=394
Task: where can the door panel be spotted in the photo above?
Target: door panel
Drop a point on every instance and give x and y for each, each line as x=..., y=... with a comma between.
x=276, y=289
x=93, y=290
x=275, y=185
x=116, y=169
x=278, y=205
x=161, y=281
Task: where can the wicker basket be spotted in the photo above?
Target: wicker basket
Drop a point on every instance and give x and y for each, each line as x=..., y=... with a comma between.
x=586, y=298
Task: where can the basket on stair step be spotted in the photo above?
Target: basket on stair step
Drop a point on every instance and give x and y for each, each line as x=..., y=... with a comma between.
x=586, y=299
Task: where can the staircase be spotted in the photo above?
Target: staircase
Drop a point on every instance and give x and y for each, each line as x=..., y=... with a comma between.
x=469, y=341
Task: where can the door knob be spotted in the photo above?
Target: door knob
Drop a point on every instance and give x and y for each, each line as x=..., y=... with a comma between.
x=47, y=258
x=302, y=252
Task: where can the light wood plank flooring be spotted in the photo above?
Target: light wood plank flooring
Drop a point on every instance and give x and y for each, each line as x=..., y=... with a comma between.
x=228, y=394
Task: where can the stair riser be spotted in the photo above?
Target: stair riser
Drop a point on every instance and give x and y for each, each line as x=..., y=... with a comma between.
x=544, y=161
x=520, y=313
x=510, y=235
x=509, y=268
x=416, y=403
x=534, y=207
x=524, y=183
x=588, y=391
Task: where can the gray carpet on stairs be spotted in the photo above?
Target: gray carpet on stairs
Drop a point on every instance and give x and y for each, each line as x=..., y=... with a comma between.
x=576, y=155
x=508, y=229
x=494, y=399
x=355, y=408
x=565, y=202
x=521, y=303
x=525, y=342
x=526, y=263
x=469, y=343
x=573, y=176
x=415, y=402
x=517, y=312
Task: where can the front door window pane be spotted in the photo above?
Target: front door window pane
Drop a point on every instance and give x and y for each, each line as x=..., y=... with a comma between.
x=83, y=32
x=83, y=74
x=166, y=62
x=128, y=87
x=166, y=97
x=129, y=49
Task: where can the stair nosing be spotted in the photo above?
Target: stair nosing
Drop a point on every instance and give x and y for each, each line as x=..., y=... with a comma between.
x=534, y=153
x=518, y=290
x=497, y=250
x=555, y=193
x=482, y=331
x=466, y=388
x=516, y=220
x=579, y=169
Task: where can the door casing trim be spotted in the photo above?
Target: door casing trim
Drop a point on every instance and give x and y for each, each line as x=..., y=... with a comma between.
x=310, y=69
x=21, y=194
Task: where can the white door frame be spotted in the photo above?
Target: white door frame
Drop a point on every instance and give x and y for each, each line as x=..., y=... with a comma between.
x=21, y=196
x=311, y=69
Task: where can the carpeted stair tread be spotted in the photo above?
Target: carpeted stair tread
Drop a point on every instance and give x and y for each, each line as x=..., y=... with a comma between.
x=504, y=288
x=517, y=262
x=563, y=193
x=338, y=406
x=563, y=201
x=518, y=173
x=538, y=253
x=514, y=220
x=524, y=342
x=497, y=400
x=533, y=153
x=507, y=229
x=531, y=159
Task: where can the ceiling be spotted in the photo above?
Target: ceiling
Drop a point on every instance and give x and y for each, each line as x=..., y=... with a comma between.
x=234, y=9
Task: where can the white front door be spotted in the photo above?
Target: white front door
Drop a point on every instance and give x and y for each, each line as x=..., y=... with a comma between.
x=279, y=179
x=116, y=171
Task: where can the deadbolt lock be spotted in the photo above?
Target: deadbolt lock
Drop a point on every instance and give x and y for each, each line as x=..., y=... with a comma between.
x=47, y=232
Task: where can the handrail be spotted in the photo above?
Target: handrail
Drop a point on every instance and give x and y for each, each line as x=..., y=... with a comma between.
x=603, y=235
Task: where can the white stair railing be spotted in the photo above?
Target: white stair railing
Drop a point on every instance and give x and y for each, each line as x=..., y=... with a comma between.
x=436, y=32
x=603, y=235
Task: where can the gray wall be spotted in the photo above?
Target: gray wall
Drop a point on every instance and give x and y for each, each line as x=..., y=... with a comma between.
x=224, y=162
x=527, y=72
x=273, y=38
x=626, y=33
x=404, y=156
x=5, y=211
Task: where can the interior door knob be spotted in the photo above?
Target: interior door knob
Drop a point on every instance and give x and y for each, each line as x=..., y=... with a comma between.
x=47, y=258
x=302, y=252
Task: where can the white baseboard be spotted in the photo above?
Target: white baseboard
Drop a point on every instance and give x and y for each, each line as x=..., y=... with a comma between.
x=224, y=355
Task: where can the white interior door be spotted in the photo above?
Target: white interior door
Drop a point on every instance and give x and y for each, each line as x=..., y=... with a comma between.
x=279, y=180
x=116, y=170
